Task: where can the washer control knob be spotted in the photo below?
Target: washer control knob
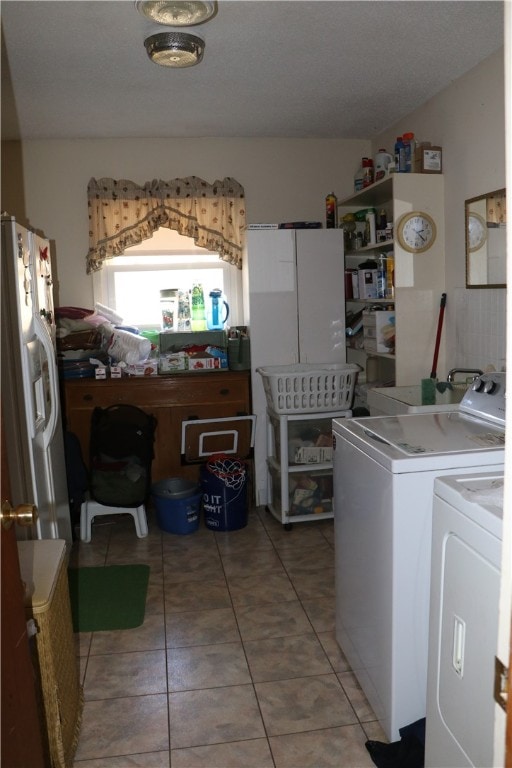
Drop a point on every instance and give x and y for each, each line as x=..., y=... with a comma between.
x=477, y=385
x=490, y=387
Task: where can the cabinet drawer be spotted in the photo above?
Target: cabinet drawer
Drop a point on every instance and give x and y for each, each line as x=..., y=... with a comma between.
x=160, y=390
x=102, y=397
x=309, y=441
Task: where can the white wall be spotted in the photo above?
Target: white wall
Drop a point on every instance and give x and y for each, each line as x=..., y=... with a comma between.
x=468, y=120
x=283, y=180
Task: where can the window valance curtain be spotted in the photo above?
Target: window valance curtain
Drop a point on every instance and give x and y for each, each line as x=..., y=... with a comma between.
x=497, y=208
x=122, y=213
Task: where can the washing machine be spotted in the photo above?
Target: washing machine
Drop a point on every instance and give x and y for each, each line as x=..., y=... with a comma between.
x=464, y=598
x=384, y=469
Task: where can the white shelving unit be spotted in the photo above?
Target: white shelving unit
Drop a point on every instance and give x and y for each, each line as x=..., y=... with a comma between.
x=302, y=401
x=419, y=279
x=298, y=489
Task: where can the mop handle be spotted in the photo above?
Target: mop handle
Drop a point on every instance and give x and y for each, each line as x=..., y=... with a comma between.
x=433, y=374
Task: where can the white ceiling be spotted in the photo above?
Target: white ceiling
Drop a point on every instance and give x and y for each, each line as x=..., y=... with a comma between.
x=271, y=68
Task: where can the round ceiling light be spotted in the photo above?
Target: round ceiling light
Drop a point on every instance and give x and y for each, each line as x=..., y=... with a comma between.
x=177, y=13
x=174, y=49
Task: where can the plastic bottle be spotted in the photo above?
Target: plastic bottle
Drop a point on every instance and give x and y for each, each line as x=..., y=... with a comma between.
x=399, y=155
x=382, y=221
x=390, y=276
x=197, y=313
x=409, y=144
x=367, y=172
x=382, y=160
x=331, y=211
x=169, y=309
x=371, y=234
x=358, y=179
x=382, y=276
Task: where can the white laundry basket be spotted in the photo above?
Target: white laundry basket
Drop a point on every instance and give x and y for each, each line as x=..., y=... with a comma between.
x=308, y=388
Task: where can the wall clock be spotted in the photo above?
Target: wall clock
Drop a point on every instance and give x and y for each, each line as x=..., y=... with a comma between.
x=477, y=231
x=416, y=232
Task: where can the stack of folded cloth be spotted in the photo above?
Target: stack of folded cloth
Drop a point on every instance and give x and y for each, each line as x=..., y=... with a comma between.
x=79, y=338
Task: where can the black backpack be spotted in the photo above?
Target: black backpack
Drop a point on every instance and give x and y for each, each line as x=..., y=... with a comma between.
x=121, y=453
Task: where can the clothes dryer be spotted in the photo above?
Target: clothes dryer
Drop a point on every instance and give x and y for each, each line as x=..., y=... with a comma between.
x=464, y=598
x=384, y=470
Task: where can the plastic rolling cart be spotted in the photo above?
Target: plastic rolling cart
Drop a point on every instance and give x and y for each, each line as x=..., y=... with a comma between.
x=302, y=401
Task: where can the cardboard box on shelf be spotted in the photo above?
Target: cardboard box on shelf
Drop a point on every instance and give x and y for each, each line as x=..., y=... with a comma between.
x=428, y=159
x=200, y=362
x=100, y=372
x=147, y=368
x=379, y=331
x=180, y=362
x=173, y=362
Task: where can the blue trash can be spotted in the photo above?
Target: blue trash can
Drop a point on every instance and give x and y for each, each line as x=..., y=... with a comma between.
x=224, y=487
x=177, y=504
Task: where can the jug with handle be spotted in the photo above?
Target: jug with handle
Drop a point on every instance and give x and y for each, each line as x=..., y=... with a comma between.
x=382, y=160
x=217, y=310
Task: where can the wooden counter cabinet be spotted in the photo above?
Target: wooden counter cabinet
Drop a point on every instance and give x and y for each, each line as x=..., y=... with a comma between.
x=171, y=399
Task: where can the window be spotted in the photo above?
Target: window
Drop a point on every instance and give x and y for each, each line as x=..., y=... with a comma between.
x=131, y=283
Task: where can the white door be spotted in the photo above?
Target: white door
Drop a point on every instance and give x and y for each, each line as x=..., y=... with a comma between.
x=270, y=311
x=321, y=295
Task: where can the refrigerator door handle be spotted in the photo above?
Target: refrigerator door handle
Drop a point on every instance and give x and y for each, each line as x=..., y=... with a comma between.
x=47, y=344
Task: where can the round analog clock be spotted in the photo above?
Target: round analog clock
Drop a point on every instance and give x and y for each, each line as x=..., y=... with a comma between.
x=477, y=231
x=416, y=232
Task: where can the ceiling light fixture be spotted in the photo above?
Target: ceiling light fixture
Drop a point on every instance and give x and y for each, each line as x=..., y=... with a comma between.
x=174, y=49
x=177, y=13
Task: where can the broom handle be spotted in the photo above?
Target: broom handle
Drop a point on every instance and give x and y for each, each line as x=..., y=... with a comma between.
x=433, y=373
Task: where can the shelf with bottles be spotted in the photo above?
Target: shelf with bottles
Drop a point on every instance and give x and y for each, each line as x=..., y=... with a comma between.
x=371, y=301
x=385, y=244
x=367, y=229
x=378, y=193
x=418, y=278
x=370, y=281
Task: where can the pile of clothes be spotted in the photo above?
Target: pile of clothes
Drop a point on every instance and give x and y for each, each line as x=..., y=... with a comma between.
x=79, y=338
x=87, y=338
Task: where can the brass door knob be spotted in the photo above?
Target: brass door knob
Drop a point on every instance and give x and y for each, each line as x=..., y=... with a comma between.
x=23, y=514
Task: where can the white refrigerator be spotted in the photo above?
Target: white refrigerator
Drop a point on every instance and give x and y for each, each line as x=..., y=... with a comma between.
x=294, y=307
x=30, y=383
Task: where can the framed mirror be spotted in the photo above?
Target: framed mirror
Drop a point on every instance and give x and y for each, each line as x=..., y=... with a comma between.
x=486, y=220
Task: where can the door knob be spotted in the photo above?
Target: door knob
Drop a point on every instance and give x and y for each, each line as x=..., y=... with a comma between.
x=23, y=514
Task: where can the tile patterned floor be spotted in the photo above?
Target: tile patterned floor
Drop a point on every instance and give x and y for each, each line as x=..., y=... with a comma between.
x=236, y=664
